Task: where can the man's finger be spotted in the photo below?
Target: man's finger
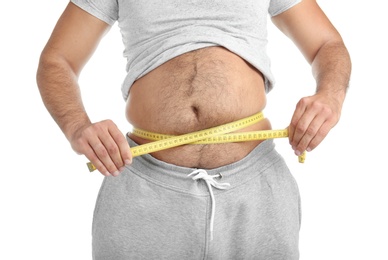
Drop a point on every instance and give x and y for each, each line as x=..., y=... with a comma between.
x=309, y=134
x=123, y=146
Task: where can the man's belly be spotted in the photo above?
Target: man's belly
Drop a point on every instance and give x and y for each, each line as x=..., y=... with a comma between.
x=195, y=91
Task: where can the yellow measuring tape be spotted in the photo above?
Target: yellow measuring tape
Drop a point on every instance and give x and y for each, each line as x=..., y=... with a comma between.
x=218, y=134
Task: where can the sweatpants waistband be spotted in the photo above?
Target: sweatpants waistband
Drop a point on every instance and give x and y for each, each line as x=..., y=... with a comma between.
x=176, y=177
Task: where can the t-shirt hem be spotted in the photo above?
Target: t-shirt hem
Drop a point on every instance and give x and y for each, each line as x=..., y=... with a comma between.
x=230, y=43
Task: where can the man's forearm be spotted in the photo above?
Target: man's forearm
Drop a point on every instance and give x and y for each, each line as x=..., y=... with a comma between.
x=59, y=89
x=331, y=69
x=102, y=142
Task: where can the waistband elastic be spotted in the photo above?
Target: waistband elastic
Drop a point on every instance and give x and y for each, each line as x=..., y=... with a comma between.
x=259, y=159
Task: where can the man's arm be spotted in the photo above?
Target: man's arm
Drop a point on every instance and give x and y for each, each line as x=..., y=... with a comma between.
x=322, y=46
x=73, y=41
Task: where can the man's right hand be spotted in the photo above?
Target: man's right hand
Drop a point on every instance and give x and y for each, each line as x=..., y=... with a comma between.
x=104, y=145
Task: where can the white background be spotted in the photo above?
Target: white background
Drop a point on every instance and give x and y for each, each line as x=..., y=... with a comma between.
x=47, y=195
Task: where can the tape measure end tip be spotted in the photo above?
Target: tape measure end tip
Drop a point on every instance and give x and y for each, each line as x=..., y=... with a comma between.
x=91, y=167
x=302, y=157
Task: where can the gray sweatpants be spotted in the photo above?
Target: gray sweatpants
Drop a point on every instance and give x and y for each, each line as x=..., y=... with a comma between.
x=154, y=210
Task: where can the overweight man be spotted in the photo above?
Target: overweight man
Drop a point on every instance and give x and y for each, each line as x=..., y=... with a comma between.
x=194, y=65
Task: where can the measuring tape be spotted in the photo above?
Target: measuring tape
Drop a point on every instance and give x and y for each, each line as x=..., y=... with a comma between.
x=214, y=135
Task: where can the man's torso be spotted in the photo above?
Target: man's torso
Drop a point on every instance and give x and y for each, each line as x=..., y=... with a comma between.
x=194, y=91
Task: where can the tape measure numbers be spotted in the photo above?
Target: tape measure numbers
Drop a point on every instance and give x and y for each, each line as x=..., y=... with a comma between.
x=219, y=134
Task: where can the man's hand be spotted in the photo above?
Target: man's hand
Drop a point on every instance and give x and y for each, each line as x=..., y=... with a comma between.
x=104, y=145
x=313, y=118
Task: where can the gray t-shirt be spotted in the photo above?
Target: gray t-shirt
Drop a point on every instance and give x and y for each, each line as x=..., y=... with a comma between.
x=155, y=31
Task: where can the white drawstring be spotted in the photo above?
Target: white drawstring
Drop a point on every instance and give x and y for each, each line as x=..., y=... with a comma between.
x=209, y=179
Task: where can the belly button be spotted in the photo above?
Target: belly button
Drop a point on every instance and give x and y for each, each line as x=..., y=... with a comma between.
x=195, y=111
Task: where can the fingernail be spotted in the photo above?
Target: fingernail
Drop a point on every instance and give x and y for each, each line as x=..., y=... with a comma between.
x=116, y=173
x=128, y=161
x=308, y=149
x=122, y=169
x=297, y=153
